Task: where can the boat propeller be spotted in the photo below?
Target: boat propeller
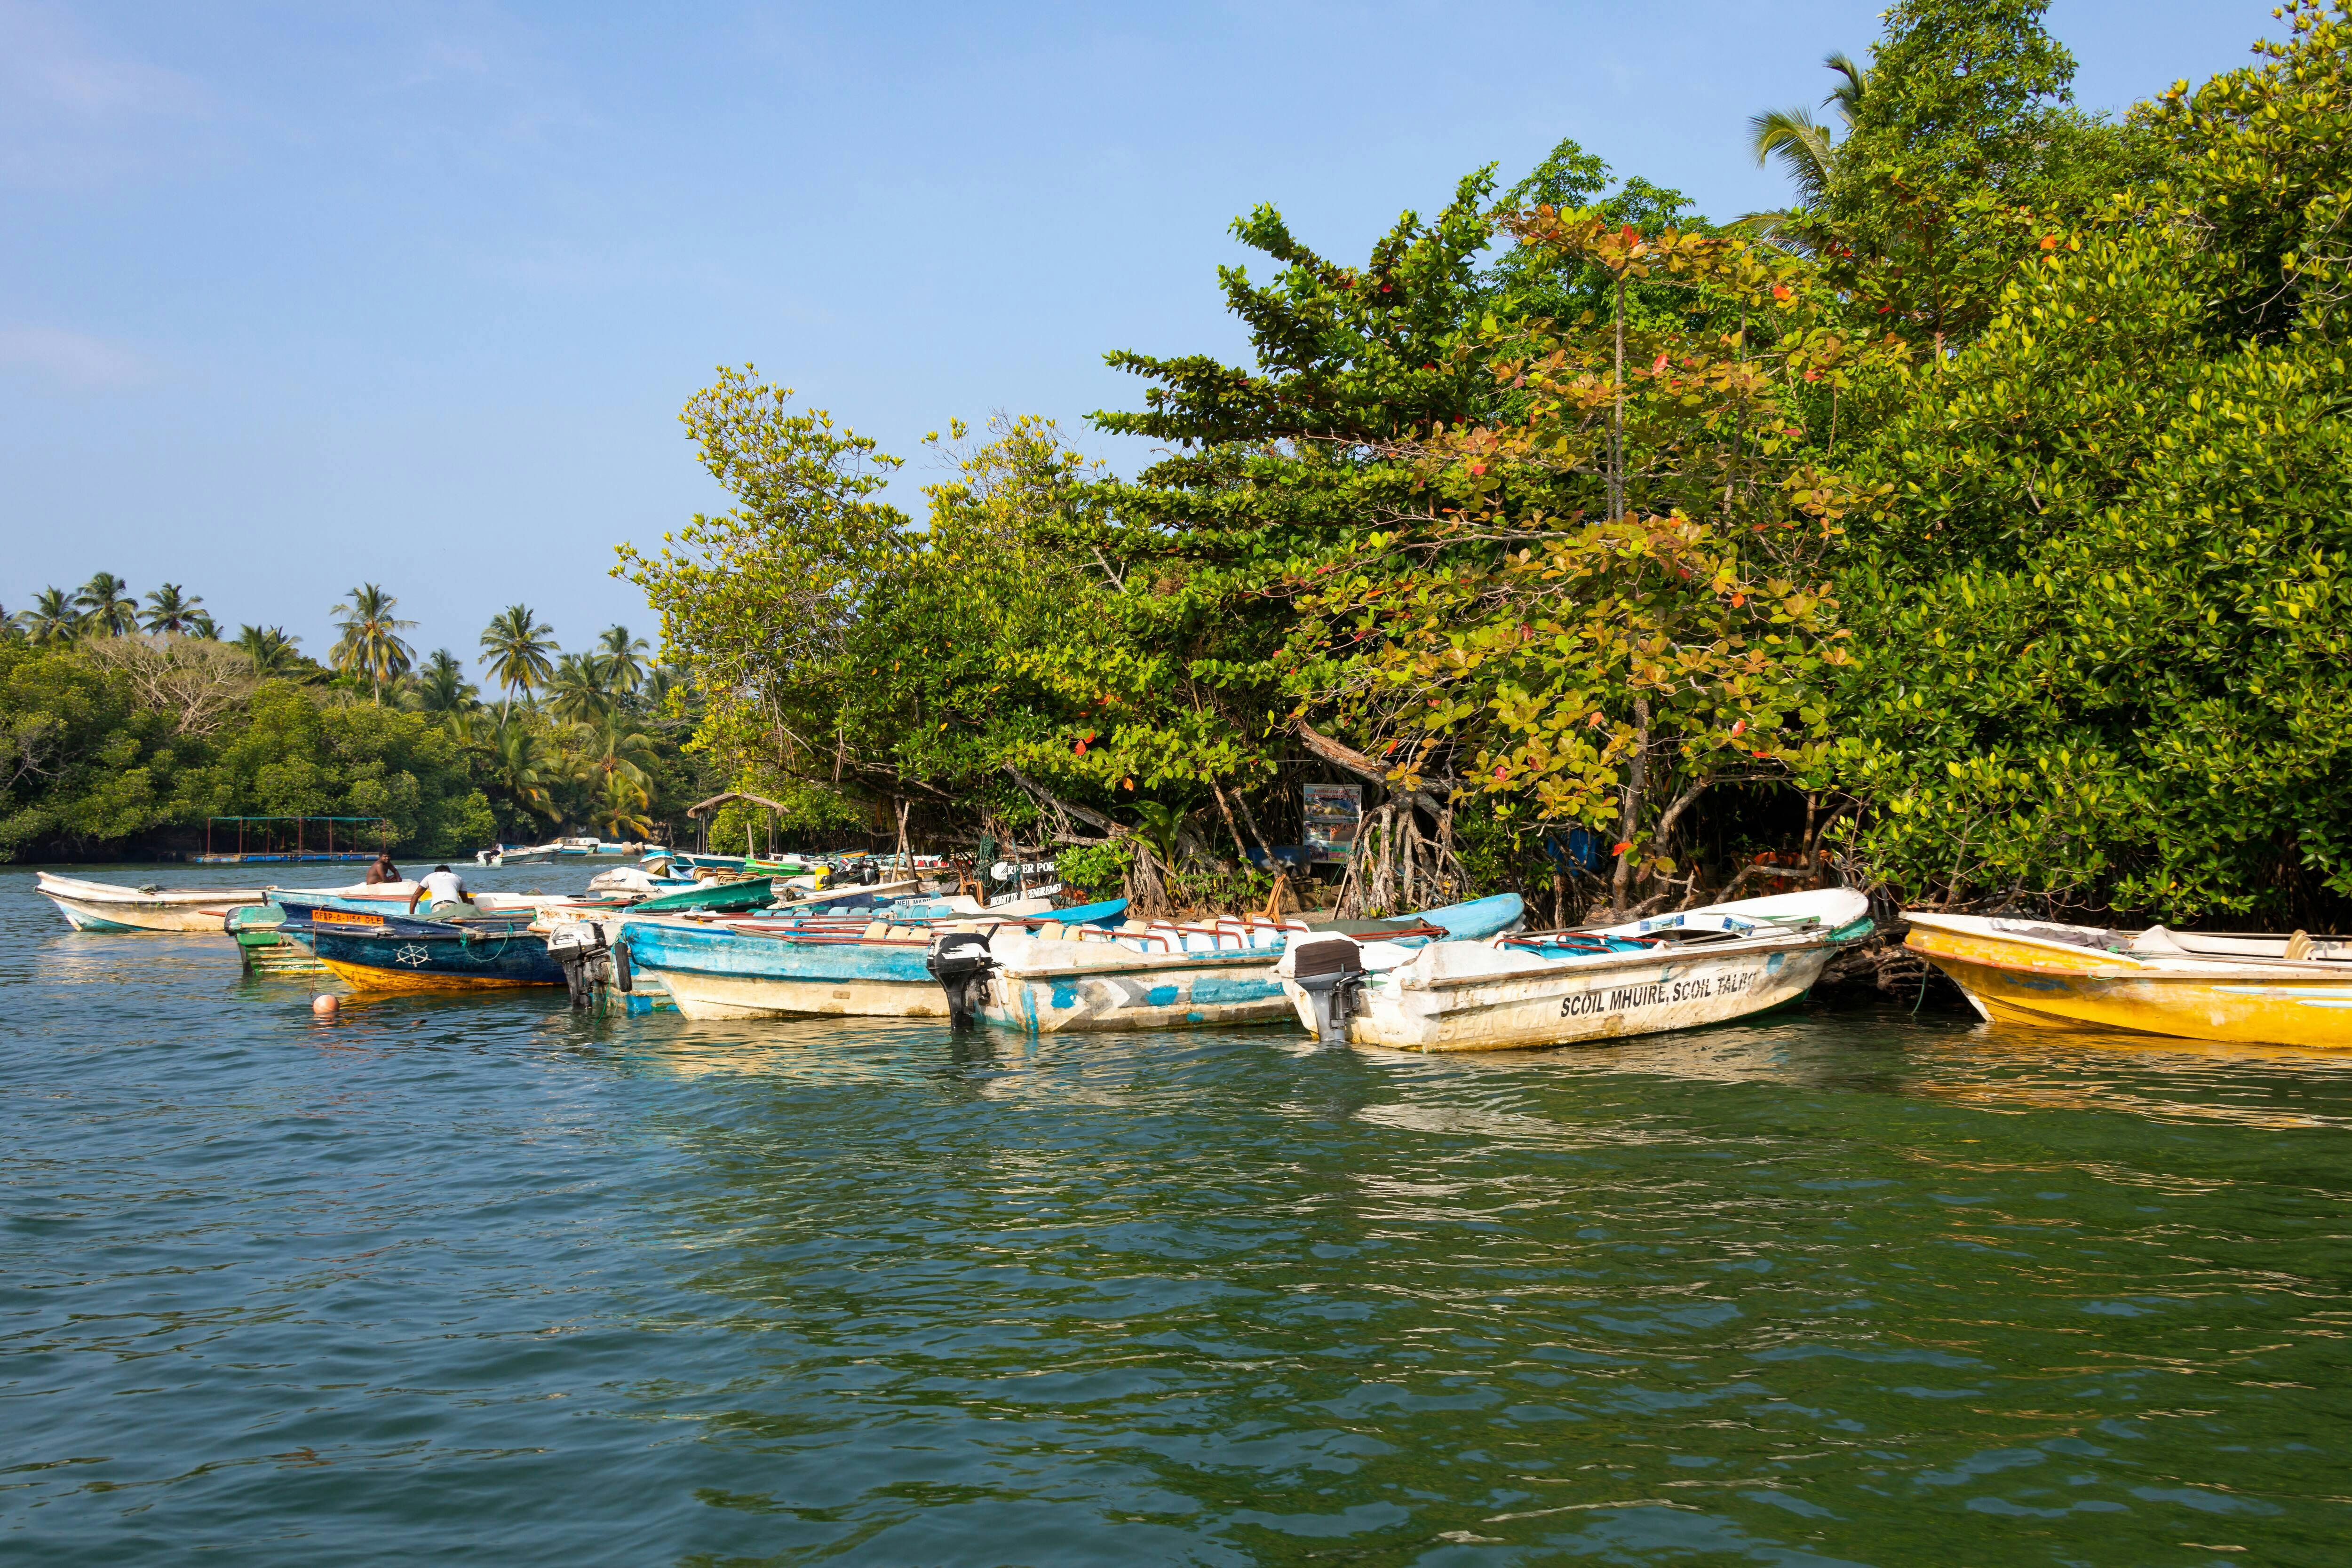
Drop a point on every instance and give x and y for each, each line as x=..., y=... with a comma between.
x=960, y=963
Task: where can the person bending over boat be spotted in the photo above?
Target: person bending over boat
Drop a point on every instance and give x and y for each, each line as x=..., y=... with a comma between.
x=383, y=871
x=447, y=890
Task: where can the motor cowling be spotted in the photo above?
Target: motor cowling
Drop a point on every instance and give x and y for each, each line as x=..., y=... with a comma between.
x=580, y=946
x=1330, y=971
x=960, y=962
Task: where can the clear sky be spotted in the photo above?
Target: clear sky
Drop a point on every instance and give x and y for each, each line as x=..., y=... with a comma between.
x=298, y=295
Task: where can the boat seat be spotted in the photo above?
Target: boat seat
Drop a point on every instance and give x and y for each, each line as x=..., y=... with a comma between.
x=1049, y=932
x=879, y=929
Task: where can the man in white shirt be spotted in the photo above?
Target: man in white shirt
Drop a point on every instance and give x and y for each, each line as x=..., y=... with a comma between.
x=446, y=890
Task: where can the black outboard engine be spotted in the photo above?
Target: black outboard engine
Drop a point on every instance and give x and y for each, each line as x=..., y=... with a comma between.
x=580, y=946
x=868, y=874
x=1329, y=971
x=959, y=962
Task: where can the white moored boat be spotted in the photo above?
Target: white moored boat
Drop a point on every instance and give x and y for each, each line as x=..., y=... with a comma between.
x=1674, y=971
x=109, y=906
x=1180, y=974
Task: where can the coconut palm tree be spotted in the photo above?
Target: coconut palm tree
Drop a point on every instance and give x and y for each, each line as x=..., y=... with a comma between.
x=1806, y=148
x=620, y=808
x=441, y=686
x=624, y=659
x=271, y=650
x=170, y=610
x=517, y=644
x=107, y=607
x=53, y=617
x=521, y=767
x=371, y=644
x=576, y=691
x=610, y=747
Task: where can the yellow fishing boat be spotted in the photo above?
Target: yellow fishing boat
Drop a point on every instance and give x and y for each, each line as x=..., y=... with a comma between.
x=2251, y=990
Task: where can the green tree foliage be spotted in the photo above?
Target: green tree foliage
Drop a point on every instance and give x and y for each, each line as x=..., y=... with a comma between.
x=53, y=617
x=2106, y=626
x=518, y=646
x=370, y=647
x=106, y=608
x=172, y=609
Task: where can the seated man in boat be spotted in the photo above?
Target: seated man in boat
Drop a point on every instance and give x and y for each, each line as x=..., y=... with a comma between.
x=383, y=871
x=446, y=890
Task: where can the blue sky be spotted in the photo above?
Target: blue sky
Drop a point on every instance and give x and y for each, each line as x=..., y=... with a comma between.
x=295, y=296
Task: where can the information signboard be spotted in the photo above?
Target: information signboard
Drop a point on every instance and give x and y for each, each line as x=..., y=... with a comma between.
x=1332, y=813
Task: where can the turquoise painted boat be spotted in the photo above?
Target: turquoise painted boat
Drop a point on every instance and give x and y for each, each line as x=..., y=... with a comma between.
x=817, y=964
x=718, y=897
x=1187, y=974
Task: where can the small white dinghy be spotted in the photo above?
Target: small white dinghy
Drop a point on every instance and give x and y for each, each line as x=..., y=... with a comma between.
x=109, y=906
x=1553, y=987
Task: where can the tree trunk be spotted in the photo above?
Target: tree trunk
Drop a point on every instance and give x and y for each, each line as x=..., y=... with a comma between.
x=1636, y=773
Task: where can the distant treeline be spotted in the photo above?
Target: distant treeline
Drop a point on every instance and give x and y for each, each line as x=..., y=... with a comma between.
x=124, y=725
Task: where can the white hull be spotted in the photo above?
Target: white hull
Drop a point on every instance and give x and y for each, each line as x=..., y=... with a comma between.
x=707, y=996
x=105, y=906
x=109, y=916
x=1565, y=1004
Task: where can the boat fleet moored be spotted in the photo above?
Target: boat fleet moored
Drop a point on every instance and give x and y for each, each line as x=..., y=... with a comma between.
x=740, y=939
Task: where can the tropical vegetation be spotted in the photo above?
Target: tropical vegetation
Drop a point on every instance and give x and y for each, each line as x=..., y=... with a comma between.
x=1974, y=529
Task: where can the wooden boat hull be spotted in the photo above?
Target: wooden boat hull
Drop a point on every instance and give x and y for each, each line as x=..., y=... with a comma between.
x=1571, y=1004
x=407, y=955
x=714, y=972
x=2021, y=982
x=108, y=907
x=1054, y=988
x=1214, y=989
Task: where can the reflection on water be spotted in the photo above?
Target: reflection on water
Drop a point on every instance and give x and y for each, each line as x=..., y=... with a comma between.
x=481, y=1276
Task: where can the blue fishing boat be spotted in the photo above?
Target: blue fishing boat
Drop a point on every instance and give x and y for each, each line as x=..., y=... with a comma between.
x=378, y=952
x=767, y=968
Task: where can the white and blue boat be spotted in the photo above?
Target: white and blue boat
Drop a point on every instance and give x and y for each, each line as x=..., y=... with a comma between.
x=815, y=965
x=1186, y=974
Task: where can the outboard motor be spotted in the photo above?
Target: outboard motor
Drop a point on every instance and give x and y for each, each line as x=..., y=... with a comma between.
x=959, y=962
x=868, y=872
x=579, y=946
x=1329, y=971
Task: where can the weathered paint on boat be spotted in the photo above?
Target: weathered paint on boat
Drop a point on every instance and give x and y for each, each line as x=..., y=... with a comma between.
x=2014, y=976
x=1492, y=996
x=386, y=953
x=773, y=968
x=1043, y=984
x=112, y=907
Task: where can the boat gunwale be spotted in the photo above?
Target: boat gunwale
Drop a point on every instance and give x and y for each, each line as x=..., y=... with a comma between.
x=1787, y=942
x=2100, y=963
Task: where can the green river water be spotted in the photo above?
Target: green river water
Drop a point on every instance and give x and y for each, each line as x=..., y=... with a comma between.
x=478, y=1280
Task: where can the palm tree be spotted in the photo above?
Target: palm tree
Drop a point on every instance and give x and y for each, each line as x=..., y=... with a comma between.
x=520, y=767
x=1804, y=145
x=624, y=659
x=576, y=691
x=441, y=686
x=611, y=747
x=620, y=808
x=271, y=651
x=107, y=606
x=171, y=611
x=53, y=617
x=371, y=644
x=518, y=646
